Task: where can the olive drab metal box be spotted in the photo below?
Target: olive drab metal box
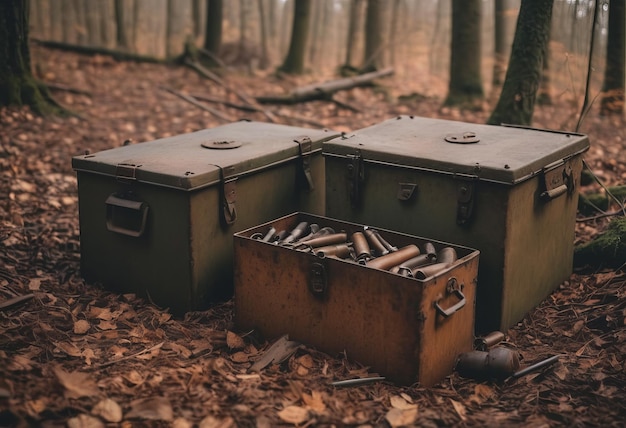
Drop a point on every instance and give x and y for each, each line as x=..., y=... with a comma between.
x=510, y=192
x=157, y=218
x=404, y=328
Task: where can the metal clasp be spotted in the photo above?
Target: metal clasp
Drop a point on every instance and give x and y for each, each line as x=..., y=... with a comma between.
x=356, y=177
x=228, y=197
x=126, y=171
x=306, y=147
x=465, y=202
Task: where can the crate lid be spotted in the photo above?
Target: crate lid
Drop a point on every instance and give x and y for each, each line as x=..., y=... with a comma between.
x=503, y=154
x=198, y=159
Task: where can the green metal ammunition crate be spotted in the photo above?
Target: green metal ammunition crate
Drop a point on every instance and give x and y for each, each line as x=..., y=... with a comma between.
x=510, y=192
x=157, y=218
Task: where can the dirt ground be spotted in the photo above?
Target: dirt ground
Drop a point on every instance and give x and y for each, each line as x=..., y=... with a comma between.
x=73, y=354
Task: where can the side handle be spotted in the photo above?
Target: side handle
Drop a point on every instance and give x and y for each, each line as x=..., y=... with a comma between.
x=126, y=216
x=452, y=288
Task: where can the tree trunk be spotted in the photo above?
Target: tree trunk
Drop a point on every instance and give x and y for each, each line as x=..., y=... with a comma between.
x=294, y=62
x=17, y=84
x=505, y=15
x=353, y=25
x=393, y=32
x=613, y=87
x=213, y=29
x=264, y=61
x=465, y=86
x=517, y=100
x=179, y=31
x=373, y=36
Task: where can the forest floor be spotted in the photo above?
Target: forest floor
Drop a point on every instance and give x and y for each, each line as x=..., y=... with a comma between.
x=75, y=354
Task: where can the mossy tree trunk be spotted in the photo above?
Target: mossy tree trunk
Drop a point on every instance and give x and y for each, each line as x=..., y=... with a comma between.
x=17, y=84
x=517, y=100
x=294, y=61
x=465, y=87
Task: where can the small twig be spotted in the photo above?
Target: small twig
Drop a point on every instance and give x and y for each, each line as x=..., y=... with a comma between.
x=243, y=107
x=192, y=100
x=599, y=216
x=15, y=301
x=128, y=357
x=345, y=105
x=606, y=189
x=358, y=381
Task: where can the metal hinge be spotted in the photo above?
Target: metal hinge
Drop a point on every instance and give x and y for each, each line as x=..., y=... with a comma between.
x=228, y=196
x=356, y=177
x=306, y=147
x=126, y=171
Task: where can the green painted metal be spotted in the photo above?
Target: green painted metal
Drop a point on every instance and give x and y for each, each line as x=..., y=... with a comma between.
x=486, y=195
x=154, y=217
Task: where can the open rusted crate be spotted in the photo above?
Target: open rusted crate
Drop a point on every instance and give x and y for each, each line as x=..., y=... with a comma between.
x=407, y=329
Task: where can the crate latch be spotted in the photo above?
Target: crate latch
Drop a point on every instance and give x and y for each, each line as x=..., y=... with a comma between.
x=465, y=202
x=228, y=196
x=356, y=177
x=126, y=171
x=306, y=148
x=558, y=179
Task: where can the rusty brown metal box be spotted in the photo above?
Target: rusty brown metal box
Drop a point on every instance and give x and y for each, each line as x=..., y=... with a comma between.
x=409, y=330
x=157, y=218
x=510, y=192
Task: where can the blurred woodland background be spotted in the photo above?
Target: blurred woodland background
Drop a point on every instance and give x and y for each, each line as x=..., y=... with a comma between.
x=413, y=37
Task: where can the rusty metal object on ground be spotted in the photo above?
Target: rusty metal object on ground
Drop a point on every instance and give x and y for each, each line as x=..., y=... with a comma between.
x=497, y=363
x=541, y=364
x=489, y=340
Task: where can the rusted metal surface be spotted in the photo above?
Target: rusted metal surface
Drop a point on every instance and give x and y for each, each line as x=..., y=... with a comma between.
x=381, y=319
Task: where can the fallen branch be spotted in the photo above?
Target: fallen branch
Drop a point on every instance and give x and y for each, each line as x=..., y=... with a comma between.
x=196, y=103
x=65, y=88
x=324, y=91
x=217, y=79
x=243, y=107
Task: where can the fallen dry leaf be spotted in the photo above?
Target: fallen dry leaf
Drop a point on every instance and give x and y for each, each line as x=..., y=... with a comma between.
x=234, y=341
x=398, y=417
x=76, y=384
x=314, y=401
x=213, y=422
x=181, y=423
x=460, y=409
x=294, y=415
x=108, y=410
x=69, y=348
x=81, y=326
x=84, y=421
x=401, y=403
x=155, y=408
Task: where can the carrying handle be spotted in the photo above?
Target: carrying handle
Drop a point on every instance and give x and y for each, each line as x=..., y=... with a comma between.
x=451, y=288
x=125, y=216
